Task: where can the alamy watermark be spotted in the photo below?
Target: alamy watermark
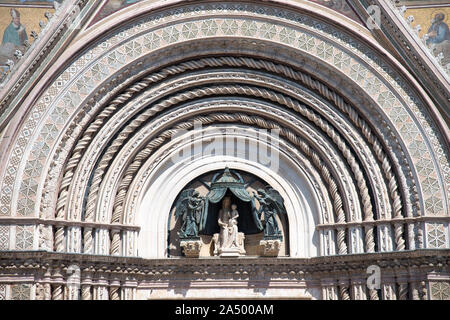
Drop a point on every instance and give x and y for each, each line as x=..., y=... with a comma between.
x=374, y=280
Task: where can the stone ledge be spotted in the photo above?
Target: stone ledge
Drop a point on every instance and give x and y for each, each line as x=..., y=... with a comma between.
x=387, y=259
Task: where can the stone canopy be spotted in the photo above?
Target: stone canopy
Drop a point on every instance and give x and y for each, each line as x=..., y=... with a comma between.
x=249, y=221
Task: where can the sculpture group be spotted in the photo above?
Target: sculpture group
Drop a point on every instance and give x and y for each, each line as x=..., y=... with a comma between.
x=228, y=225
x=204, y=215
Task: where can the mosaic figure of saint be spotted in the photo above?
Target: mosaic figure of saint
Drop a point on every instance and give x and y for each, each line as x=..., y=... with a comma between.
x=439, y=31
x=15, y=33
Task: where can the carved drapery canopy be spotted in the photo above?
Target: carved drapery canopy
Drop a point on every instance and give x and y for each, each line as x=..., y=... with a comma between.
x=219, y=187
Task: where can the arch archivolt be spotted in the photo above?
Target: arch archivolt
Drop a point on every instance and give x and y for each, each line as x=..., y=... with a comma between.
x=247, y=119
x=382, y=118
x=201, y=112
x=304, y=195
x=108, y=130
x=139, y=185
x=89, y=156
x=339, y=123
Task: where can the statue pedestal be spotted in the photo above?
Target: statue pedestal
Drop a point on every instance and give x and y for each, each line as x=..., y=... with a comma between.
x=231, y=252
x=271, y=248
x=191, y=247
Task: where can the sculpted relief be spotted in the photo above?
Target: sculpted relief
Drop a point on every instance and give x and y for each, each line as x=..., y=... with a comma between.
x=228, y=214
x=228, y=242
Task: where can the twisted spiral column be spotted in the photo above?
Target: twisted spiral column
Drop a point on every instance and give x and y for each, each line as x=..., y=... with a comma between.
x=373, y=294
x=369, y=238
x=86, y=292
x=344, y=290
x=57, y=293
x=400, y=243
x=115, y=243
x=88, y=241
x=59, y=239
x=403, y=291
x=342, y=246
x=114, y=293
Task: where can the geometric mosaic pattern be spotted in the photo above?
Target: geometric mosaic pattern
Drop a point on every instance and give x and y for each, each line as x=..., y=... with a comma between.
x=2, y=291
x=434, y=205
x=78, y=80
x=24, y=237
x=436, y=235
x=21, y=292
x=4, y=237
x=440, y=290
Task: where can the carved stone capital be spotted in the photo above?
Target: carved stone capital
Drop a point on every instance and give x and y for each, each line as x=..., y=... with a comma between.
x=191, y=248
x=270, y=248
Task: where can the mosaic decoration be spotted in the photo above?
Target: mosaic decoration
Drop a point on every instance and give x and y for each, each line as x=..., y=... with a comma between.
x=24, y=237
x=79, y=80
x=4, y=237
x=2, y=291
x=21, y=292
x=16, y=26
x=440, y=290
x=431, y=22
x=436, y=235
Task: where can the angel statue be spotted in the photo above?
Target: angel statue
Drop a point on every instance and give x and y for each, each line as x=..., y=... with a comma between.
x=190, y=208
x=271, y=203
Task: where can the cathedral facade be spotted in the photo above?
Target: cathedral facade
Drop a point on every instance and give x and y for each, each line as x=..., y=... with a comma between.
x=225, y=149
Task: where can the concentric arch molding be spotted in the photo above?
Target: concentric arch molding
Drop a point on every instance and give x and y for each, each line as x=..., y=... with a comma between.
x=92, y=153
x=325, y=46
x=351, y=200
x=216, y=76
